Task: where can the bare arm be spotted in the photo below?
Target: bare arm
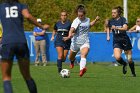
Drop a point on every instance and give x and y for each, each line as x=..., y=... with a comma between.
x=41, y=33
x=133, y=28
x=108, y=33
x=124, y=28
x=53, y=34
x=28, y=16
x=94, y=21
x=71, y=34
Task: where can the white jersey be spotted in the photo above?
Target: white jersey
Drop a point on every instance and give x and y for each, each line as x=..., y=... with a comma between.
x=81, y=31
x=137, y=27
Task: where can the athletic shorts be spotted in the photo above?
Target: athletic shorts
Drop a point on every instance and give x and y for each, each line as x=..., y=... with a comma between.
x=123, y=44
x=77, y=47
x=60, y=43
x=20, y=50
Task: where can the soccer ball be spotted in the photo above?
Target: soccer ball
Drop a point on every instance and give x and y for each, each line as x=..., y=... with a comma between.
x=65, y=73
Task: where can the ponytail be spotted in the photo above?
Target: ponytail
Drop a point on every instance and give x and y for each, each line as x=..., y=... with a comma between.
x=119, y=9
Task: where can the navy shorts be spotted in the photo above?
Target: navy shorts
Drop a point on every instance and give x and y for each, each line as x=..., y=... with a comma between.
x=123, y=44
x=20, y=50
x=65, y=45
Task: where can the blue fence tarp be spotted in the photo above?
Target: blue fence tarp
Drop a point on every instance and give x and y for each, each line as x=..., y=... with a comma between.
x=100, y=49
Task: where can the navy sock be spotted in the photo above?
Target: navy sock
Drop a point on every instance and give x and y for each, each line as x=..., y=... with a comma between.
x=31, y=86
x=7, y=87
x=121, y=61
x=59, y=65
x=132, y=67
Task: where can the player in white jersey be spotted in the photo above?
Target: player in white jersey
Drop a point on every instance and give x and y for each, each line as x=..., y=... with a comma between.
x=80, y=40
x=136, y=28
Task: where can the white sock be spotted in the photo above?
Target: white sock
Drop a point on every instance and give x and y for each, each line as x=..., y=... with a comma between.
x=82, y=63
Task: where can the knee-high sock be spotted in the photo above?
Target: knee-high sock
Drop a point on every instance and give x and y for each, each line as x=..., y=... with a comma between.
x=59, y=65
x=31, y=86
x=7, y=87
x=121, y=61
x=82, y=63
x=132, y=67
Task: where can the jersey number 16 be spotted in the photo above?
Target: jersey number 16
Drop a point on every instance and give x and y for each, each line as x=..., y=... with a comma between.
x=11, y=12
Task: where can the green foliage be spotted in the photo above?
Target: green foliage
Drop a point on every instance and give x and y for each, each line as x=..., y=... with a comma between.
x=49, y=10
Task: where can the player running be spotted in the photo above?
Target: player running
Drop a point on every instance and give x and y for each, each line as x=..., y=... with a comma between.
x=14, y=42
x=118, y=25
x=61, y=29
x=80, y=39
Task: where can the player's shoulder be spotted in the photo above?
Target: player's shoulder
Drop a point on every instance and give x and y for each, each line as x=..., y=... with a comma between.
x=76, y=19
x=58, y=22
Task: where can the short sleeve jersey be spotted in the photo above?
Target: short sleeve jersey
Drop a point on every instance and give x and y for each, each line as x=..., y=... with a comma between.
x=62, y=29
x=12, y=22
x=81, y=31
x=119, y=24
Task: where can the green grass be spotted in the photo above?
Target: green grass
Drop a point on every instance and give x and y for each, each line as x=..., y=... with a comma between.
x=100, y=78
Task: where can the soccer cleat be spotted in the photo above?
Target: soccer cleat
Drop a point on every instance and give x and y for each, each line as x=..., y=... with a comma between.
x=36, y=64
x=134, y=75
x=44, y=64
x=71, y=65
x=82, y=72
x=124, y=68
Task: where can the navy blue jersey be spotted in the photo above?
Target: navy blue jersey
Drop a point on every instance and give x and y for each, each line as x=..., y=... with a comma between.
x=62, y=29
x=12, y=22
x=118, y=35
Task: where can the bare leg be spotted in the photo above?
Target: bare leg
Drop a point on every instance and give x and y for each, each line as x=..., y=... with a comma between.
x=6, y=68
x=24, y=66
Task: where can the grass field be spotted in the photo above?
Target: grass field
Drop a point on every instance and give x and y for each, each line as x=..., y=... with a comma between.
x=100, y=78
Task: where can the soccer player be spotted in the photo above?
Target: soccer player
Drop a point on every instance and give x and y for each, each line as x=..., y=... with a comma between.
x=14, y=43
x=118, y=25
x=80, y=39
x=136, y=28
x=61, y=29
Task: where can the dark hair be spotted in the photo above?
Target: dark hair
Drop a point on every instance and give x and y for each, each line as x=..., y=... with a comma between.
x=119, y=9
x=81, y=8
x=11, y=1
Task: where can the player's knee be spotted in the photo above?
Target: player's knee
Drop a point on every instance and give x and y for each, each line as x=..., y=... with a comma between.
x=60, y=56
x=129, y=58
x=117, y=57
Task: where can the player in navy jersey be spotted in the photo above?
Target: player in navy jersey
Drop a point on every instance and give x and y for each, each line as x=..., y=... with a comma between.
x=14, y=42
x=61, y=29
x=121, y=42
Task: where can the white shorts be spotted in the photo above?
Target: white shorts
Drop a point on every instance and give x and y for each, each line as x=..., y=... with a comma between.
x=77, y=47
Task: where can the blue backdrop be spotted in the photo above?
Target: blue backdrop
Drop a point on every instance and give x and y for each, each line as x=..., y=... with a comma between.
x=100, y=49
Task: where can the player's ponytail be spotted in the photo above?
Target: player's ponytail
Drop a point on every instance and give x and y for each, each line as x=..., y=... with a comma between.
x=80, y=8
x=119, y=9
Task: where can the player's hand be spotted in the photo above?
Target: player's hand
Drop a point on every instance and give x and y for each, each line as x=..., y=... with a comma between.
x=108, y=38
x=45, y=27
x=66, y=38
x=52, y=39
x=97, y=18
x=113, y=27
